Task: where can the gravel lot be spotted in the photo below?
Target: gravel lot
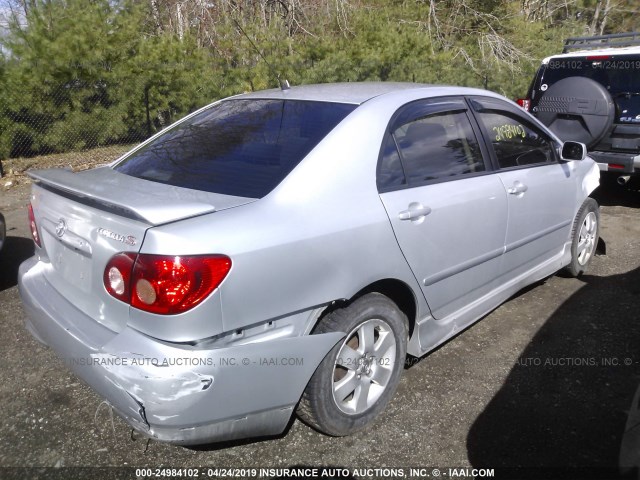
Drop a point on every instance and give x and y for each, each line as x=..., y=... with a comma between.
x=548, y=379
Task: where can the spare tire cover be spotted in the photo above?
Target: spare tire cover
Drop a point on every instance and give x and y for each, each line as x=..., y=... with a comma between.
x=577, y=109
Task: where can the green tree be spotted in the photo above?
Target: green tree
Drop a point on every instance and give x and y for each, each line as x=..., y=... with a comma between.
x=80, y=73
x=59, y=76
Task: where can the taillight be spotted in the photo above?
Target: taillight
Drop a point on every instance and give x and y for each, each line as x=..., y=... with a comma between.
x=117, y=276
x=33, y=226
x=164, y=284
x=525, y=103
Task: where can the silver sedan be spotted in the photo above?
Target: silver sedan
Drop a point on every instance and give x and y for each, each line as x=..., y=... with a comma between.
x=285, y=251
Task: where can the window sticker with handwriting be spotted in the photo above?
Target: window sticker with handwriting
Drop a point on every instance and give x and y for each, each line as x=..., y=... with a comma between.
x=508, y=131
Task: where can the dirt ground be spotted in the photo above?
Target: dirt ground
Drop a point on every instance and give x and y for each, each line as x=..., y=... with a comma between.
x=546, y=380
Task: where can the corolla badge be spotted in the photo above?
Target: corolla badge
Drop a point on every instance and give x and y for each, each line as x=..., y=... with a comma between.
x=126, y=239
x=61, y=227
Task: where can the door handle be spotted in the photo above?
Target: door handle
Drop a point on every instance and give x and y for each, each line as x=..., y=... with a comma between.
x=517, y=188
x=415, y=211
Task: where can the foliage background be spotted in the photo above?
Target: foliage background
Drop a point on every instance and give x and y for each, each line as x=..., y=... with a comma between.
x=81, y=74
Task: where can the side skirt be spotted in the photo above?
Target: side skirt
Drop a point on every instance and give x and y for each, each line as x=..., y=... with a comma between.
x=430, y=333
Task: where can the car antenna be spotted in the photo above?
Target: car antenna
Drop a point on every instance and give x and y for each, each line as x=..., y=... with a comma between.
x=284, y=84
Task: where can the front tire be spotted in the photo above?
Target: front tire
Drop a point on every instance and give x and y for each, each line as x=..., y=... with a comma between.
x=358, y=377
x=585, y=234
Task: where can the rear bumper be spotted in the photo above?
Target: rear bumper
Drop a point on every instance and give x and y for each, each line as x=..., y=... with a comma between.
x=622, y=163
x=173, y=392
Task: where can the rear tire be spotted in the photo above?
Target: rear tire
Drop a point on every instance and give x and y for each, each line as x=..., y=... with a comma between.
x=585, y=234
x=358, y=377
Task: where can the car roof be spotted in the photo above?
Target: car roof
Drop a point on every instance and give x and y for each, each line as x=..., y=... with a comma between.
x=595, y=52
x=355, y=92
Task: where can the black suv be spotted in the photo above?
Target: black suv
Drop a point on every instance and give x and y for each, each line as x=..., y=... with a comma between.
x=591, y=94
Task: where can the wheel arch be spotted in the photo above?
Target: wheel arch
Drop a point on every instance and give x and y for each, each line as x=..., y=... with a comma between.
x=396, y=290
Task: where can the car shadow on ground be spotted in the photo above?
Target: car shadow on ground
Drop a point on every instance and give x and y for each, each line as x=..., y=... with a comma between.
x=566, y=403
x=15, y=251
x=610, y=194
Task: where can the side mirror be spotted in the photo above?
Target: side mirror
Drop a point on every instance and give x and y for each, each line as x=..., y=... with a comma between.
x=573, y=151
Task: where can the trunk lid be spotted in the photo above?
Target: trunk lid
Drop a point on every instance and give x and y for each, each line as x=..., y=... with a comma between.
x=85, y=218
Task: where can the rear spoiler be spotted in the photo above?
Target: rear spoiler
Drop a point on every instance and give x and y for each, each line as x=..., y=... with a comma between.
x=143, y=200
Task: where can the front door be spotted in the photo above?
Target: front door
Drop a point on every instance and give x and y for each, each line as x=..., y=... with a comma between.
x=541, y=190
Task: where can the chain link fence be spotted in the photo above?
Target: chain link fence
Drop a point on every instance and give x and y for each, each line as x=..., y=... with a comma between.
x=89, y=116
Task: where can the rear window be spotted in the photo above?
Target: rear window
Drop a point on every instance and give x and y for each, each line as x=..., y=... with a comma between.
x=237, y=147
x=619, y=74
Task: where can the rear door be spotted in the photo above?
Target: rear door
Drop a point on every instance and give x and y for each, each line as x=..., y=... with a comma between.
x=447, y=209
x=541, y=190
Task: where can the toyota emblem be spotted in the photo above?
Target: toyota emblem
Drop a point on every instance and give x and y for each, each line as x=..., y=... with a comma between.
x=61, y=227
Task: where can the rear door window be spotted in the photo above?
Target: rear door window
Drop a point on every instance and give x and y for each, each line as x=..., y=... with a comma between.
x=439, y=147
x=237, y=147
x=430, y=141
